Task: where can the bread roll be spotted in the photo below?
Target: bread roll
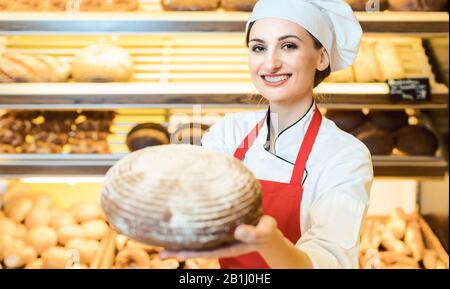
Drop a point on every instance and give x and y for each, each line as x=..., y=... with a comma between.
x=416, y=140
x=7, y=227
x=18, y=209
x=86, y=248
x=95, y=229
x=19, y=256
x=21, y=232
x=86, y=211
x=189, y=133
x=6, y=242
x=62, y=220
x=42, y=238
x=109, y=5
x=41, y=200
x=102, y=63
x=67, y=233
x=190, y=5
x=35, y=264
x=57, y=258
x=38, y=216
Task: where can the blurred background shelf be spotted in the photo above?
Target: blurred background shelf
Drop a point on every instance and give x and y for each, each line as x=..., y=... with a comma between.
x=155, y=21
x=22, y=165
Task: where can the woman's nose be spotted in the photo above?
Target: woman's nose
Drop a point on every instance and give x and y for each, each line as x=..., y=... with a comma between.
x=272, y=62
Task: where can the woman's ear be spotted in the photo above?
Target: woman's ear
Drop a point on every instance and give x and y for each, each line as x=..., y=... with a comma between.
x=324, y=60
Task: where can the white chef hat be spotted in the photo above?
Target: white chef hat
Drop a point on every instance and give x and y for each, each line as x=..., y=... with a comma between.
x=332, y=22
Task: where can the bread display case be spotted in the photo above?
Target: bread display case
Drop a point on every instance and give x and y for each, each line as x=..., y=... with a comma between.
x=172, y=68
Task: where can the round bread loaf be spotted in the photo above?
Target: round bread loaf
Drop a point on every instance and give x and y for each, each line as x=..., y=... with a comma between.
x=347, y=120
x=102, y=63
x=388, y=120
x=379, y=142
x=146, y=135
x=238, y=5
x=189, y=133
x=417, y=5
x=416, y=140
x=180, y=197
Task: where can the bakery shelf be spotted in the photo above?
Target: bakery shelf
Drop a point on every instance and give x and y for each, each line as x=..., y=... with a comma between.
x=138, y=94
x=157, y=21
x=22, y=165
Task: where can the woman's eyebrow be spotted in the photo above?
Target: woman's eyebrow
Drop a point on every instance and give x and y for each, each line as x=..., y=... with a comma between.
x=256, y=40
x=289, y=36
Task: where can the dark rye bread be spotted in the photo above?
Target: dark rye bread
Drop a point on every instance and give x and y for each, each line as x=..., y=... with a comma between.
x=180, y=197
x=347, y=120
x=379, y=142
x=146, y=135
x=189, y=133
x=389, y=120
x=416, y=140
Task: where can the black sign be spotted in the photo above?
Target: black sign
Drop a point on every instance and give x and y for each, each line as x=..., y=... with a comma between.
x=410, y=89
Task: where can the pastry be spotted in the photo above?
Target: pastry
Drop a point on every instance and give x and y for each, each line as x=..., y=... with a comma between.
x=42, y=238
x=18, y=256
x=164, y=196
x=189, y=133
x=416, y=140
x=41, y=147
x=62, y=219
x=18, y=209
x=145, y=135
x=388, y=120
x=7, y=227
x=238, y=5
x=88, y=146
x=190, y=5
x=86, y=249
x=57, y=258
x=388, y=58
x=347, y=120
x=366, y=67
x=132, y=258
x=379, y=142
x=102, y=63
x=417, y=5
x=108, y=5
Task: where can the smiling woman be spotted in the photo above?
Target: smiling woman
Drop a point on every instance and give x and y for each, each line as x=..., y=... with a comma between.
x=315, y=178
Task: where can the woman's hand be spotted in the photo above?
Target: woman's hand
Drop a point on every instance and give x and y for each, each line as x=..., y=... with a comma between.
x=252, y=238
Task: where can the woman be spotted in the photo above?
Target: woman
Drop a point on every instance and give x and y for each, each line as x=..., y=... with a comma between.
x=315, y=178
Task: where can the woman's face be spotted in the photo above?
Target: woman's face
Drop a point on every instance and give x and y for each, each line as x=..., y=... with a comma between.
x=283, y=60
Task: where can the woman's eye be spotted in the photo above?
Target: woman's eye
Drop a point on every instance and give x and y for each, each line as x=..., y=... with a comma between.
x=289, y=46
x=257, y=48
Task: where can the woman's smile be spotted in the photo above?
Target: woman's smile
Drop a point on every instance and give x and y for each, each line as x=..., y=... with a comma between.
x=275, y=80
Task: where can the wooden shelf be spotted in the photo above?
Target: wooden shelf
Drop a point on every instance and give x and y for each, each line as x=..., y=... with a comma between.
x=145, y=22
x=22, y=165
x=135, y=94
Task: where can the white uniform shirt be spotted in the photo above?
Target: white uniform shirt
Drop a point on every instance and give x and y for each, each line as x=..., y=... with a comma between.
x=336, y=182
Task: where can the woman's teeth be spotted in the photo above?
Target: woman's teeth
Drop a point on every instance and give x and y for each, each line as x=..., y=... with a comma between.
x=276, y=78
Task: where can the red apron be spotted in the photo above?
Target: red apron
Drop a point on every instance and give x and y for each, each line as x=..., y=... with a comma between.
x=280, y=200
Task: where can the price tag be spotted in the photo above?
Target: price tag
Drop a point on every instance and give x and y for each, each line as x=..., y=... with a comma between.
x=410, y=89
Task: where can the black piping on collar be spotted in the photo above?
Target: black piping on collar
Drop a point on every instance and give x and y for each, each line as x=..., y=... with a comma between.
x=297, y=121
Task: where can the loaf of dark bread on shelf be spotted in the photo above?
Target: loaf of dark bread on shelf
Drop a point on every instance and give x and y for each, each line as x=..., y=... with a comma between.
x=417, y=5
x=366, y=5
x=189, y=133
x=180, y=197
x=108, y=5
x=238, y=5
x=146, y=135
x=416, y=140
x=347, y=120
x=390, y=120
x=379, y=142
x=190, y=5
x=32, y=68
x=102, y=63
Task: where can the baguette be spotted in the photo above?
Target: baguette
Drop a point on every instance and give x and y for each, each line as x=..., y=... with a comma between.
x=430, y=259
x=391, y=243
x=414, y=240
x=110, y=250
x=95, y=264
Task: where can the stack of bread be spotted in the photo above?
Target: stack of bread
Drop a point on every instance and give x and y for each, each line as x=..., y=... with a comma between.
x=35, y=233
x=400, y=241
x=90, y=135
x=386, y=132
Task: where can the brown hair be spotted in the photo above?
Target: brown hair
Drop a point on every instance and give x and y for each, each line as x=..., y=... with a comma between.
x=320, y=75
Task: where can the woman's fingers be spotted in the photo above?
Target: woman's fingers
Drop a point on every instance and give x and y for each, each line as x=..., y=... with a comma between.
x=260, y=233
